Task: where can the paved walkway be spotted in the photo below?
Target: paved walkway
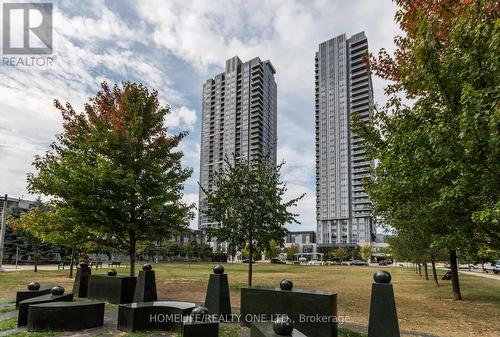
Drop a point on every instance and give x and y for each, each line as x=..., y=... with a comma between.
x=481, y=274
x=478, y=272
x=11, y=267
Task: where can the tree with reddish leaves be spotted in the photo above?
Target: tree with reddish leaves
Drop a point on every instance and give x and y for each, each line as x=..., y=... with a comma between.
x=438, y=158
x=116, y=169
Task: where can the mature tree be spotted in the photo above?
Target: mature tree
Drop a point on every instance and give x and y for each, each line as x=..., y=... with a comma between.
x=273, y=250
x=439, y=165
x=192, y=248
x=43, y=225
x=366, y=252
x=354, y=253
x=256, y=253
x=13, y=243
x=413, y=246
x=63, y=229
x=29, y=226
x=340, y=254
x=247, y=203
x=174, y=248
x=116, y=168
x=206, y=251
x=291, y=251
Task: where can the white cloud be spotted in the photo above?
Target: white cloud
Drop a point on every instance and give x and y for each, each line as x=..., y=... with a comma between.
x=173, y=46
x=192, y=198
x=84, y=57
x=205, y=33
x=183, y=118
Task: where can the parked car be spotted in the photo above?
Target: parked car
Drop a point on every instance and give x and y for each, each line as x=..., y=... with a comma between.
x=315, y=263
x=359, y=263
x=335, y=263
x=247, y=261
x=278, y=261
x=383, y=263
x=496, y=267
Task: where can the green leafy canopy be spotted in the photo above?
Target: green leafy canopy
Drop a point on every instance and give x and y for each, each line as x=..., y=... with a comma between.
x=115, y=168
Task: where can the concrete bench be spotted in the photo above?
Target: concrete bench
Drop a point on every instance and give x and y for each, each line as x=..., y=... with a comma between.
x=158, y=315
x=22, y=295
x=65, y=316
x=200, y=329
x=112, y=289
x=22, y=318
x=301, y=305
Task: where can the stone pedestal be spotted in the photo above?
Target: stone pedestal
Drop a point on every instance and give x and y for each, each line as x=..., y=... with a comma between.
x=27, y=294
x=148, y=316
x=217, y=299
x=300, y=305
x=383, y=317
x=81, y=284
x=145, y=291
x=65, y=316
x=200, y=329
x=112, y=289
x=22, y=318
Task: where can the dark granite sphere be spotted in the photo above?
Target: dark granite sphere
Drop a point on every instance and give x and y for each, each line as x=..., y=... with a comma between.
x=33, y=286
x=112, y=272
x=286, y=285
x=219, y=269
x=84, y=266
x=147, y=266
x=57, y=290
x=382, y=276
x=198, y=313
x=283, y=325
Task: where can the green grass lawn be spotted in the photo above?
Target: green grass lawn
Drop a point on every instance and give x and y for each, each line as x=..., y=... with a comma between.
x=8, y=324
x=421, y=306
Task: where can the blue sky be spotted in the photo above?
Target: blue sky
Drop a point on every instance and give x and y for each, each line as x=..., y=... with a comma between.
x=173, y=47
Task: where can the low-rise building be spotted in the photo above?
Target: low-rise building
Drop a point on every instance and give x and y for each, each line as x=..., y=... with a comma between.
x=305, y=241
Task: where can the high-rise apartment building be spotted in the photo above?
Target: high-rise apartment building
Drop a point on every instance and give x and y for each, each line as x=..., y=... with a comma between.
x=343, y=88
x=239, y=117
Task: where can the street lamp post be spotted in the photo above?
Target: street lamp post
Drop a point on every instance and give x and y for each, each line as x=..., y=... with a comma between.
x=2, y=230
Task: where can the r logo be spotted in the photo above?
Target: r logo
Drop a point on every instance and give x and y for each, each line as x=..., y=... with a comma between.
x=27, y=28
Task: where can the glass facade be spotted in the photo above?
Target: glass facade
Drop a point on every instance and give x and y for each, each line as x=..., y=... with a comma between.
x=239, y=114
x=342, y=87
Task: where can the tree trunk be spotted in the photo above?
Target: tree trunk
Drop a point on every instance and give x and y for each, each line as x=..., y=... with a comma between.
x=131, y=252
x=72, y=263
x=250, y=259
x=250, y=263
x=419, y=266
x=35, y=260
x=455, y=284
x=434, y=273
x=426, y=271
